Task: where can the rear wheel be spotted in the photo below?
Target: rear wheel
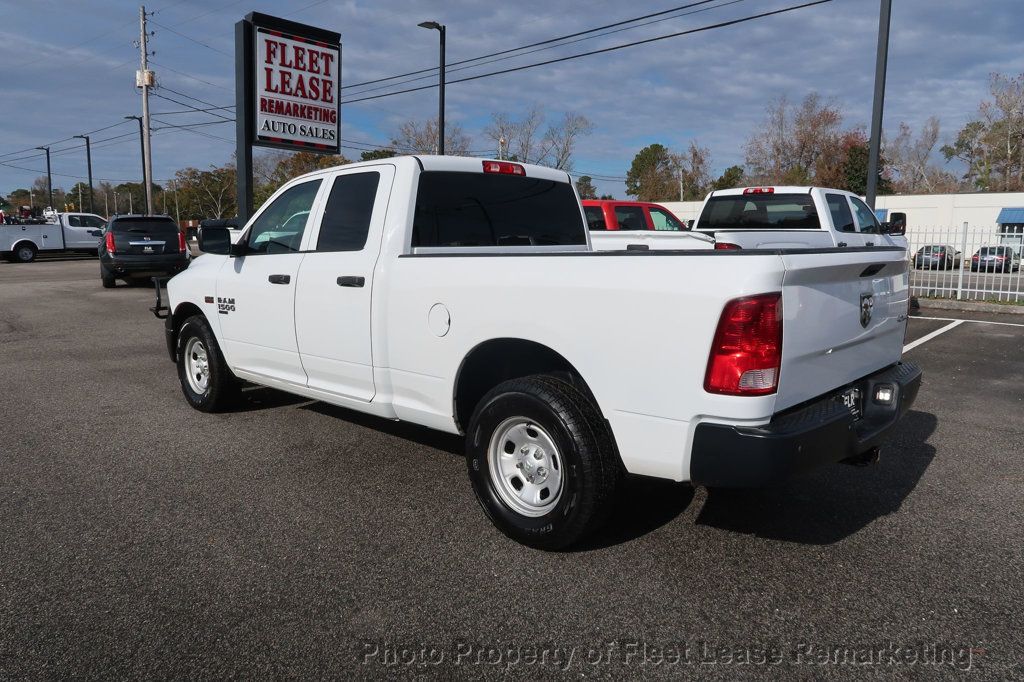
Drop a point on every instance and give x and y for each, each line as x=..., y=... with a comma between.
x=107, y=277
x=541, y=462
x=24, y=252
x=206, y=381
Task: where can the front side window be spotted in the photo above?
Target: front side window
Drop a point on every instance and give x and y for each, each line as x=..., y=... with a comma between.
x=760, y=212
x=595, y=217
x=663, y=220
x=346, y=220
x=457, y=209
x=93, y=221
x=866, y=220
x=839, y=208
x=630, y=218
x=280, y=227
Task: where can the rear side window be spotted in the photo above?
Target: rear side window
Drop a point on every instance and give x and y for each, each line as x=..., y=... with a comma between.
x=760, y=212
x=346, y=220
x=595, y=217
x=75, y=220
x=663, y=220
x=630, y=218
x=476, y=209
x=839, y=207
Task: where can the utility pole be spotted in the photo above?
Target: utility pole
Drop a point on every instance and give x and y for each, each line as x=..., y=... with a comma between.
x=881, y=60
x=88, y=163
x=433, y=25
x=79, y=196
x=177, y=213
x=145, y=81
x=131, y=208
x=106, y=204
x=49, y=176
x=680, y=184
x=115, y=201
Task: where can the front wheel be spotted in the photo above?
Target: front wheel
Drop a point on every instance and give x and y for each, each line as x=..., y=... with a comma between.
x=206, y=381
x=541, y=462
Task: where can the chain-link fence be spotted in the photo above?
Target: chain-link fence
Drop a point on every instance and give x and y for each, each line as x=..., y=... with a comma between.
x=967, y=263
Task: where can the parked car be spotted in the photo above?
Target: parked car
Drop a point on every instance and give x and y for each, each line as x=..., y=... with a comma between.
x=71, y=232
x=794, y=218
x=996, y=259
x=135, y=247
x=463, y=295
x=608, y=214
x=939, y=256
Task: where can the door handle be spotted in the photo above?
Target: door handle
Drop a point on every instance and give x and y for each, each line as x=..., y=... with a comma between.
x=869, y=243
x=279, y=279
x=841, y=244
x=351, y=281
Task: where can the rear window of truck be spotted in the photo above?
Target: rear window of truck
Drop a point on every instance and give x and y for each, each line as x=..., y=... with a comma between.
x=760, y=212
x=477, y=209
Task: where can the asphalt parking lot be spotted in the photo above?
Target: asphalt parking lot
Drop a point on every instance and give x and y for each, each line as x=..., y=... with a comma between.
x=139, y=538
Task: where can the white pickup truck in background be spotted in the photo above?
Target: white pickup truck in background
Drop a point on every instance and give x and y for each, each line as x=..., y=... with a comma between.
x=464, y=295
x=793, y=218
x=76, y=232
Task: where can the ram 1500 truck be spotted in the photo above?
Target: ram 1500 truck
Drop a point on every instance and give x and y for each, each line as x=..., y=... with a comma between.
x=71, y=232
x=463, y=295
x=793, y=218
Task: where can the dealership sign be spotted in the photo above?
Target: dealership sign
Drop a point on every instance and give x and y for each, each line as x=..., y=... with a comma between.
x=295, y=74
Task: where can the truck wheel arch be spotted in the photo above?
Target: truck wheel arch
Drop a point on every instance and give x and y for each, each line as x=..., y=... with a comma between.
x=181, y=313
x=496, y=360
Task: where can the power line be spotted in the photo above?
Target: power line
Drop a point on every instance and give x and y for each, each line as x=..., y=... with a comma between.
x=613, y=48
x=197, y=42
x=542, y=42
x=552, y=47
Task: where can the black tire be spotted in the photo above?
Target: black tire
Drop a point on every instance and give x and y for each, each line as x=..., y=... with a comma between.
x=589, y=465
x=24, y=252
x=107, y=277
x=221, y=389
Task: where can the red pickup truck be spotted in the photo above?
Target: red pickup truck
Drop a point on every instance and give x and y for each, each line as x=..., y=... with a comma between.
x=630, y=215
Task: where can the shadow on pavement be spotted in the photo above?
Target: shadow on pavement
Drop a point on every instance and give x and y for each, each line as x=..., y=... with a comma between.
x=643, y=506
x=833, y=502
x=439, y=440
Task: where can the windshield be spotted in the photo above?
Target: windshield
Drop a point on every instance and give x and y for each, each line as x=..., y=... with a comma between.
x=993, y=251
x=478, y=209
x=760, y=212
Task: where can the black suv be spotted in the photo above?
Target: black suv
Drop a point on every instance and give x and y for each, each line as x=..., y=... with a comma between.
x=135, y=247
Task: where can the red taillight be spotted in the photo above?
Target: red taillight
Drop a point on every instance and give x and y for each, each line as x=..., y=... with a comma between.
x=747, y=351
x=109, y=242
x=181, y=242
x=726, y=246
x=504, y=168
x=759, y=190
x=974, y=257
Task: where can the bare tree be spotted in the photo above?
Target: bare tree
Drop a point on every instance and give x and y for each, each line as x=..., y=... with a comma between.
x=560, y=140
x=793, y=140
x=416, y=137
x=910, y=158
x=694, y=172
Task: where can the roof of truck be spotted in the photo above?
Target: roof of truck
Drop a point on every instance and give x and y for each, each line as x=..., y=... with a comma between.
x=458, y=164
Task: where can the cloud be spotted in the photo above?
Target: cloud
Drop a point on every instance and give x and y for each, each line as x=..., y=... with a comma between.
x=75, y=72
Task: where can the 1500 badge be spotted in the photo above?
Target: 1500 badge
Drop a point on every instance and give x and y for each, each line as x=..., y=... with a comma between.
x=225, y=305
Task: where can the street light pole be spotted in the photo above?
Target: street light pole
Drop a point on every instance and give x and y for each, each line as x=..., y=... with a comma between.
x=441, y=69
x=49, y=176
x=142, y=148
x=881, y=60
x=88, y=162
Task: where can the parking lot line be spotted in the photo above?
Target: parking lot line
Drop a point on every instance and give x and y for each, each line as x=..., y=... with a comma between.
x=952, y=319
x=929, y=337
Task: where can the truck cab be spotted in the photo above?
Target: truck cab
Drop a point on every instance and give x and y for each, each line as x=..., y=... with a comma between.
x=787, y=217
x=77, y=232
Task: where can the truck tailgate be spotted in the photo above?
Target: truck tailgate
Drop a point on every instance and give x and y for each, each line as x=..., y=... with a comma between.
x=845, y=316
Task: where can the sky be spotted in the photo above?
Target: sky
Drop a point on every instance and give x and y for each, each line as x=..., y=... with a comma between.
x=68, y=68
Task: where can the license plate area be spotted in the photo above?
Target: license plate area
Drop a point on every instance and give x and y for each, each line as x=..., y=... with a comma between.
x=853, y=400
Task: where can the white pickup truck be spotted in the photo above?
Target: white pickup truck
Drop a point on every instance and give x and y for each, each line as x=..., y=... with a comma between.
x=71, y=232
x=792, y=218
x=464, y=295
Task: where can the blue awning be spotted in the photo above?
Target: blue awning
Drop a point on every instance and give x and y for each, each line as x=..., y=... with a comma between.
x=1010, y=216
x=881, y=214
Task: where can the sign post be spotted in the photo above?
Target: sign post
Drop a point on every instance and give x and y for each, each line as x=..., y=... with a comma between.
x=287, y=93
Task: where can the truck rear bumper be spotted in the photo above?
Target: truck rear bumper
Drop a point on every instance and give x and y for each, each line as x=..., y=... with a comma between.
x=817, y=433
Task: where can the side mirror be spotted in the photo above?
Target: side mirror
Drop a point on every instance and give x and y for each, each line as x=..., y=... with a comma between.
x=215, y=240
x=897, y=224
